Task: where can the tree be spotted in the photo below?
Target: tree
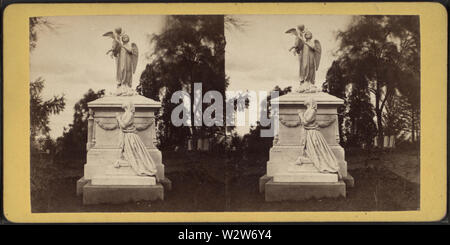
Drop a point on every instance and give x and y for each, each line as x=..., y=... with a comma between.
x=336, y=84
x=190, y=49
x=360, y=128
x=35, y=24
x=266, y=109
x=383, y=54
x=72, y=145
x=253, y=143
x=41, y=109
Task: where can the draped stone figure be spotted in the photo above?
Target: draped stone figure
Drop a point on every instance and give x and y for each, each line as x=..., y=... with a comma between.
x=309, y=53
x=314, y=147
x=133, y=150
x=126, y=56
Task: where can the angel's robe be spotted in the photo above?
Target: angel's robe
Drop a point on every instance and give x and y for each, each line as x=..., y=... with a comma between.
x=316, y=146
x=133, y=149
x=125, y=65
x=308, y=63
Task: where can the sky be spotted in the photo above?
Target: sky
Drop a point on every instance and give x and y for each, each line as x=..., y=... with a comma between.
x=72, y=58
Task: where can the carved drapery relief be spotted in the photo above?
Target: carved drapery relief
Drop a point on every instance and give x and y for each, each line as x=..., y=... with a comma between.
x=142, y=127
x=327, y=121
x=91, y=138
x=107, y=126
x=323, y=123
x=115, y=125
x=289, y=124
x=338, y=139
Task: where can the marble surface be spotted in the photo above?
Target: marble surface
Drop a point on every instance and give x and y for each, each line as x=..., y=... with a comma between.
x=123, y=180
x=284, y=153
x=117, y=101
x=305, y=177
x=104, y=133
x=300, y=98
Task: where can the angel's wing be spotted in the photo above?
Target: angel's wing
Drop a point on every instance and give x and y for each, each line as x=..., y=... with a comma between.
x=317, y=53
x=134, y=56
x=109, y=34
x=292, y=31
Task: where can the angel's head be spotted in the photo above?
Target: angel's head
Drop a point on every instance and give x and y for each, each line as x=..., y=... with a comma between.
x=311, y=103
x=308, y=35
x=301, y=28
x=118, y=30
x=125, y=38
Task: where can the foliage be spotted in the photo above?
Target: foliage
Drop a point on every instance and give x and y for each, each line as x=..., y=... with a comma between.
x=336, y=84
x=72, y=144
x=39, y=177
x=190, y=49
x=265, y=110
x=35, y=24
x=360, y=128
x=253, y=143
x=379, y=54
x=41, y=109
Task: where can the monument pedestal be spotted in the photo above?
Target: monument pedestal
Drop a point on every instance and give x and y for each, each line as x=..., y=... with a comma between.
x=297, y=191
x=286, y=180
x=104, y=183
x=305, y=177
x=115, y=194
x=123, y=180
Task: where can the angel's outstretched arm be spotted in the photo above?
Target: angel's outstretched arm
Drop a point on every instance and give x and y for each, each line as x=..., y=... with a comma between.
x=301, y=37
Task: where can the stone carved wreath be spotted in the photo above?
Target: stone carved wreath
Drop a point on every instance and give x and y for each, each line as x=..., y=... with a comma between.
x=290, y=124
x=327, y=122
x=113, y=126
x=323, y=124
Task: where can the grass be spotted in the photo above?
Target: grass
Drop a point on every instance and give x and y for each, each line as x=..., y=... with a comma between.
x=205, y=183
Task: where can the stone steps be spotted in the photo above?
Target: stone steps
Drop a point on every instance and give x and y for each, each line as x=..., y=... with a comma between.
x=305, y=177
x=123, y=180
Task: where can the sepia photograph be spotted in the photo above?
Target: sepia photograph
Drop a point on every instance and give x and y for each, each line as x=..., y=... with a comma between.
x=225, y=113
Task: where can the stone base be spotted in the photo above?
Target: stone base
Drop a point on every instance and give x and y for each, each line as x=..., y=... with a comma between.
x=123, y=180
x=305, y=177
x=262, y=182
x=276, y=191
x=80, y=184
x=108, y=157
x=110, y=194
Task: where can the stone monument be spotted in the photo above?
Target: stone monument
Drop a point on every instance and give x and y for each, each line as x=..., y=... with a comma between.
x=306, y=159
x=123, y=163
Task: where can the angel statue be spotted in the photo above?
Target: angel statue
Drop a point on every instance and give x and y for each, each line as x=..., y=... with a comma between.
x=309, y=53
x=133, y=151
x=116, y=36
x=314, y=147
x=126, y=57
